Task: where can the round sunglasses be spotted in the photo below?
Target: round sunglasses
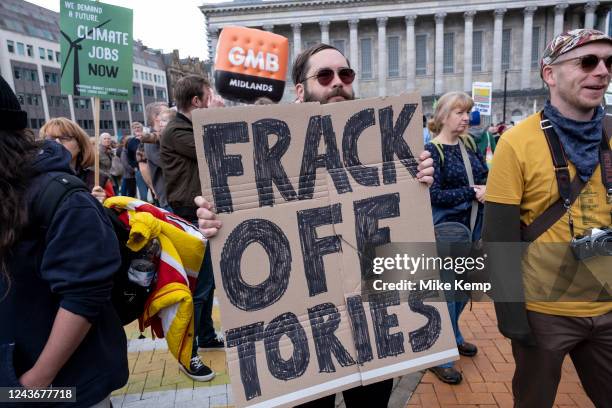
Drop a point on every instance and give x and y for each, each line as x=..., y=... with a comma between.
x=326, y=75
x=589, y=62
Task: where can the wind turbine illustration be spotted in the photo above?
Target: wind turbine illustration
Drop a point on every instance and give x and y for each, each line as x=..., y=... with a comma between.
x=76, y=46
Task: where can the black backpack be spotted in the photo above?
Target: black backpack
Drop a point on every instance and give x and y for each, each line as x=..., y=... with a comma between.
x=128, y=298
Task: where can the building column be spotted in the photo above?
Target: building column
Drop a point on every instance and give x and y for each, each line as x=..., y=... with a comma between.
x=112, y=104
x=439, y=54
x=497, y=47
x=269, y=27
x=410, y=53
x=527, y=43
x=213, y=36
x=297, y=38
x=589, y=14
x=382, y=55
x=324, y=31
x=559, y=15
x=354, y=50
x=468, y=17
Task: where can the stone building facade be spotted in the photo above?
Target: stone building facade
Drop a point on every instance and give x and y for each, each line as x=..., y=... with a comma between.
x=431, y=47
x=177, y=67
x=30, y=61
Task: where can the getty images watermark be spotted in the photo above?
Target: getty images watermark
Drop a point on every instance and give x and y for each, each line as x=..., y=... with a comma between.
x=403, y=272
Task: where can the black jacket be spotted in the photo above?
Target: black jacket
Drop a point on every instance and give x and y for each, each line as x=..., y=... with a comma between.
x=70, y=265
x=179, y=163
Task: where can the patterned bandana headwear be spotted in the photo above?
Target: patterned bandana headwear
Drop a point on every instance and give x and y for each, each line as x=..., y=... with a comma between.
x=568, y=41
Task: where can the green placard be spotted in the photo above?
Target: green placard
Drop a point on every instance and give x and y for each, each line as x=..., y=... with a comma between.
x=97, y=53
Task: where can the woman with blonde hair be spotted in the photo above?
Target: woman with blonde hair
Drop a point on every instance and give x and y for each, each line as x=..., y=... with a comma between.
x=457, y=197
x=76, y=141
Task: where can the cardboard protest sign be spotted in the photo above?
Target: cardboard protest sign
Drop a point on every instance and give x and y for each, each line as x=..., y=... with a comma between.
x=306, y=193
x=96, y=46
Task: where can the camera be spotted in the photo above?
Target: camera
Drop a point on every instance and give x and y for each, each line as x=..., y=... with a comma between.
x=595, y=242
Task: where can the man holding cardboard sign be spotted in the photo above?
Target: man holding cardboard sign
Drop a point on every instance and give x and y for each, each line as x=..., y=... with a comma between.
x=274, y=363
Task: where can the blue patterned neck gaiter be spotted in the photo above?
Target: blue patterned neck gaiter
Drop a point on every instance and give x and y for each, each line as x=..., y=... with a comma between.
x=580, y=140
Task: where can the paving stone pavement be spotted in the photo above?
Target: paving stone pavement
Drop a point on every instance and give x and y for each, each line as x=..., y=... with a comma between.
x=487, y=377
x=156, y=382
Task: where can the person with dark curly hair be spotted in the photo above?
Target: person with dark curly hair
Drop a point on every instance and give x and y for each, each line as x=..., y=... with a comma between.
x=58, y=324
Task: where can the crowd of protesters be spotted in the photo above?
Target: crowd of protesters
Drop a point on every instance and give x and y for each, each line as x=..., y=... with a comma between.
x=77, y=335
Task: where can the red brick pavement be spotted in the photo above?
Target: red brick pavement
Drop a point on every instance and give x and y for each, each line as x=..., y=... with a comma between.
x=487, y=377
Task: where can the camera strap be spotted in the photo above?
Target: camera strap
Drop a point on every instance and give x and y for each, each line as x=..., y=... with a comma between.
x=568, y=190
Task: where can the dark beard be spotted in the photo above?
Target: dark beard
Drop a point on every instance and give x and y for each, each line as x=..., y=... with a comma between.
x=308, y=97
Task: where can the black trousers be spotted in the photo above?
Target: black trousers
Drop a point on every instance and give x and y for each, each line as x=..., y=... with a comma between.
x=372, y=396
x=588, y=341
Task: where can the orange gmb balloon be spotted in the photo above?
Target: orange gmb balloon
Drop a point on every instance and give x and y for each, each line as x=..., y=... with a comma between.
x=250, y=63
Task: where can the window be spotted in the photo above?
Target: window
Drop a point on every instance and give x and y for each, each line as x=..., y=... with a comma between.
x=309, y=44
x=120, y=106
x=393, y=55
x=136, y=107
x=17, y=73
x=57, y=56
x=366, y=58
x=449, y=53
x=20, y=48
x=50, y=55
x=135, y=90
x=14, y=25
x=506, y=44
x=135, y=74
x=81, y=103
x=339, y=44
x=34, y=123
x=105, y=105
x=161, y=94
x=421, y=54
x=10, y=45
x=51, y=78
x=477, y=51
x=35, y=100
x=535, y=47
x=30, y=50
x=148, y=92
x=142, y=75
x=21, y=98
x=41, y=53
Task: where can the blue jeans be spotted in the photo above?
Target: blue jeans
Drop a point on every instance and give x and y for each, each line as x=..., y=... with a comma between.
x=203, y=303
x=143, y=189
x=128, y=187
x=456, y=303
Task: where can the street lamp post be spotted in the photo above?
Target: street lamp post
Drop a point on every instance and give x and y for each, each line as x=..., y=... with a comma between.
x=505, y=89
